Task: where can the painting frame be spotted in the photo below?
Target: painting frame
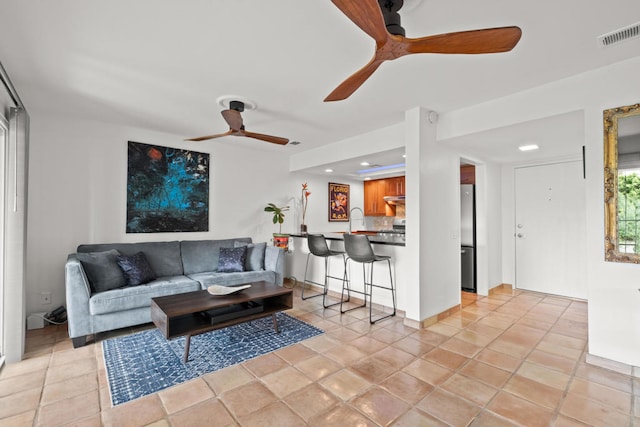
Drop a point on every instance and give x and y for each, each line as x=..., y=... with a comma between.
x=167, y=189
x=339, y=201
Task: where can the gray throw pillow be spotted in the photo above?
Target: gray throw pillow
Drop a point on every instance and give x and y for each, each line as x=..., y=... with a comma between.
x=255, y=255
x=102, y=270
x=231, y=260
x=136, y=269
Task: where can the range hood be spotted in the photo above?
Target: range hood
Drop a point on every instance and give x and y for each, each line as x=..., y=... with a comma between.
x=392, y=200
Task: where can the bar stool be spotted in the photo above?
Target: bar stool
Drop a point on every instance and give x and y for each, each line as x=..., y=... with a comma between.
x=359, y=250
x=318, y=247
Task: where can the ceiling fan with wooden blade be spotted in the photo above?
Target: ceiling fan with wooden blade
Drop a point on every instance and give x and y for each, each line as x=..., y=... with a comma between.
x=380, y=20
x=236, y=127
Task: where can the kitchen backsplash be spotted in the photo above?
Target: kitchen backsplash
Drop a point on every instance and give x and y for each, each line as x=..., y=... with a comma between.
x=378, y=222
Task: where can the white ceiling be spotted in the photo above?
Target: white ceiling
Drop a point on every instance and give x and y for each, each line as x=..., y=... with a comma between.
x=161, y=64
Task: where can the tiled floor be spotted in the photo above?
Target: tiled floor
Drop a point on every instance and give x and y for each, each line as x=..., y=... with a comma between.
x=507, y=359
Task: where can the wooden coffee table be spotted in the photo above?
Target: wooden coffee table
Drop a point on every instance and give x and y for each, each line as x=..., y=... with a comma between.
x=194, y=313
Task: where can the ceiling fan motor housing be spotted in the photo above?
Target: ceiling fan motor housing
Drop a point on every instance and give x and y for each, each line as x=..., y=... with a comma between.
x=391, y=16
x=236, y=105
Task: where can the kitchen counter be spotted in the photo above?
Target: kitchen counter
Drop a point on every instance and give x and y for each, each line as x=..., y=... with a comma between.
x=373, y=238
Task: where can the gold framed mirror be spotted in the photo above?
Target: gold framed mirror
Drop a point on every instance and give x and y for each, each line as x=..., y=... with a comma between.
x=622, y=184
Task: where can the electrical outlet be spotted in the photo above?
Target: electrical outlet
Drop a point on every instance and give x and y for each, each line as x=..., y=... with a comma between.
x=45, y=298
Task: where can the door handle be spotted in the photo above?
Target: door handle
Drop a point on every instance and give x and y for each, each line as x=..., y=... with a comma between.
x=522, y=236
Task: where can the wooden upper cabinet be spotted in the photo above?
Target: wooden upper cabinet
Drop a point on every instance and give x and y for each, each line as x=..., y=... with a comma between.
x=467, y=174
x=374, y=192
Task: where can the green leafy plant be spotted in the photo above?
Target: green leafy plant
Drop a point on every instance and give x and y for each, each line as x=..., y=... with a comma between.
x=278, y=214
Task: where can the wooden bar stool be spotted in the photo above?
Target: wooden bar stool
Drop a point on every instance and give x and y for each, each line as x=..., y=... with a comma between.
x=318, y=247
x=359, y=250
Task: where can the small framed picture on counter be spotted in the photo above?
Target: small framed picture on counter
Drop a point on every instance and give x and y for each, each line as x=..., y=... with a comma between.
x=338, y=202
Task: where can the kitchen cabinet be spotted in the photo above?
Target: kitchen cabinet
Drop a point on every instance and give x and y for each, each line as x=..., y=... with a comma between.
x=374, y=192
x=467, y=174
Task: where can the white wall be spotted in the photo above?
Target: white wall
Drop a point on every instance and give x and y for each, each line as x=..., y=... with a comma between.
x=614, y=300
x=78, y=193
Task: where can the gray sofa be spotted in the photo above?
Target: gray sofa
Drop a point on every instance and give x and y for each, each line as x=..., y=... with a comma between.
x=178, y=266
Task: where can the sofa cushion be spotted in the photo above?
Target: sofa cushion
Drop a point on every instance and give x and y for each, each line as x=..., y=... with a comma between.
x=232, y=279
x=231, y=260
x=199, y=256
x=136, y=269
x=102, y=270
x=164, y=257
x=140, y=296
x=255, y=255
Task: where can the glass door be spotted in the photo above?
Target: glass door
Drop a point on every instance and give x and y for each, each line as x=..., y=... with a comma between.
x=3, y=146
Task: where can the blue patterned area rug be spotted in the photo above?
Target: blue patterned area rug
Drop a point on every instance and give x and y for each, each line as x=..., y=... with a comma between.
x=146, y=362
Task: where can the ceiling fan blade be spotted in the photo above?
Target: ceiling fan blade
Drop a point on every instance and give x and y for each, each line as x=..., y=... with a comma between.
x=491, y=40
x=366, y=15
x=204, y=138
x=353, y=82
x=233, y=119
x=268, y=138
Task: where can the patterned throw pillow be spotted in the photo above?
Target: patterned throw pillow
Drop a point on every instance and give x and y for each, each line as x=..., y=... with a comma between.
x=136, y=269
x=231, y=260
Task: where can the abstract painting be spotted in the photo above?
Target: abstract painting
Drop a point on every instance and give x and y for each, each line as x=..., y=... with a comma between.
x=167, y=189
x=338, y=202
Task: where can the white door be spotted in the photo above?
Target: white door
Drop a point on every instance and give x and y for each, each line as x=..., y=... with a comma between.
x=550, y=229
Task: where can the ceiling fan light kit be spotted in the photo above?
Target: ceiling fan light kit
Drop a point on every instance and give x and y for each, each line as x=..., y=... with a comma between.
x=381, y=21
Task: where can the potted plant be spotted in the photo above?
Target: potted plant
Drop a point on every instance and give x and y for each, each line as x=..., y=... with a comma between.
x=305, y=201
x=280, y=240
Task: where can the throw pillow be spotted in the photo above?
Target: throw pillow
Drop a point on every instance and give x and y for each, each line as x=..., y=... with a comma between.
x=136, y=269
x=102, y=270
x=231, y=260
x=255, y=255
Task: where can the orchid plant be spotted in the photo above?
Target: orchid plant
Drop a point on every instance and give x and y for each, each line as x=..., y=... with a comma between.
x=305, y=199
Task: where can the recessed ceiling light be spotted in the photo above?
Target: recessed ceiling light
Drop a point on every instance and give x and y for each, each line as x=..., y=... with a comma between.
x=529, y=147
x=367, y=178
x=328, y=170
x=404, y=156
x=364, y=163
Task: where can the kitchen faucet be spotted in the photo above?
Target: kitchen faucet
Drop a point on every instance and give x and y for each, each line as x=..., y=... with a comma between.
x=351, y=216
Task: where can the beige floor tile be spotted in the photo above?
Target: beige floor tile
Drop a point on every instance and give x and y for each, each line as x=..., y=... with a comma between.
x=322, y=343
x=616, y=399
x=386, y=335
x=449, y=408
x=552, y=361
x=430, y=337
x=520, y=411
x=368, y=344
x=415, y=418
x=499, y=360
x=535, y=392
x=295, y=353
x=345, y=384
x=544, y=375
x=380, y=405
x=22, y=382
x=413, y=346
x=228, y=378
x=211, y=412
x=504, y=345
x=605, y=377
x=139, y=412
x=444, y=329
x=473, y=337
x=275, y=415
x=184, y=395
x=428, y=372
x=487, y=374
x=592, y=412
x=345, y=354
x=248, y=398
x=407, y=387
x=265, y=364
x=17, y=403
x=394, y=357
x=311, y=401
x=69, y=410
x=341, y=416
x=24, y=419
x=26, y=366
x=485, y=330
x=373, y=369
x=63, y=372
x=470, y=389
x=461, y=347
x=489, y=419
x=318, y=367
x=72, y=387
x=285, y=381
x=446, y=358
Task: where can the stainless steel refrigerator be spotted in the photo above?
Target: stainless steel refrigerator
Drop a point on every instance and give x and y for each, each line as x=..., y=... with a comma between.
x=468, y=237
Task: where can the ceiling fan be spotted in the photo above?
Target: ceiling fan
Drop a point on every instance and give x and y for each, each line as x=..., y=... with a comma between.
x=236, y=128
x=380, y=20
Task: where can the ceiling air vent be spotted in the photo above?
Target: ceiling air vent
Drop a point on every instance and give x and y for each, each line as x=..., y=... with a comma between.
x=619, y=35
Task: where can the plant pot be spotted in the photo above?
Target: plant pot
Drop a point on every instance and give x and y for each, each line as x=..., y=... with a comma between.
x=281, y=241
x=303, y=229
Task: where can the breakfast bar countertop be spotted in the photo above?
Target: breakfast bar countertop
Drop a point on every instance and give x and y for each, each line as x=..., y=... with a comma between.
x=373, y=238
